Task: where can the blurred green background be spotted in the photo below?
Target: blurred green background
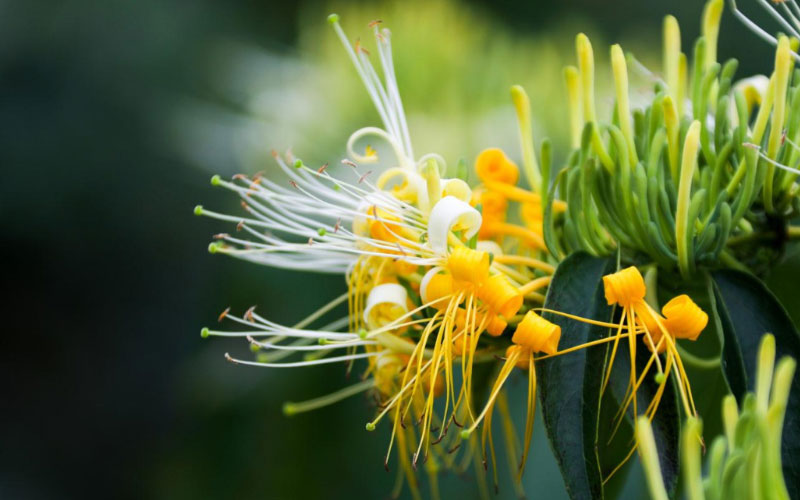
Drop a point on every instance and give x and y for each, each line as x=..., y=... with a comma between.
x=114, y=115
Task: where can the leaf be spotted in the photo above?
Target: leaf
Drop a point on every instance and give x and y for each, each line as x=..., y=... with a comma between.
x=569, y=385
x=748, y=310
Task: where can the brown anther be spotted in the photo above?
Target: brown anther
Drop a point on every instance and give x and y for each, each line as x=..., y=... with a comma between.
x=374, y=23
x=293, y=183
x=240, y=225
x=221, y=236
x=454, y=448
x=239, y=177
x=249, y=314
x=456, y=422
x=322, y=168
x=361, y=179
x=349, y=163
x=223, y=314
x=245, y=205
x=311, y=241
x=229, y=358
x=274, y=154
x=783, y=137
x=386, y=465
x=338, y=224
x=255, y=183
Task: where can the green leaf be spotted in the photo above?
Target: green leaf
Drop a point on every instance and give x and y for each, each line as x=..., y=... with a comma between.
x=748, y=310
x=569, y=385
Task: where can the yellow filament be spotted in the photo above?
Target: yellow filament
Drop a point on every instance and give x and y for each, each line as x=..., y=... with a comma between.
x=525, y=261
x=534, y=285
x=522, y=195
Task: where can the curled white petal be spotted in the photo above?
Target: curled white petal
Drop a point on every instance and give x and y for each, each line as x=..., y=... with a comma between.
x=381, y=134
x=388, y=293
x=423, y=286
x=451, y=214
x=489, y=246
x=415, y=185
x=457, y=188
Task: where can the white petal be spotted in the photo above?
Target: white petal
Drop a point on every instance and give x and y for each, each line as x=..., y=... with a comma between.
x=423, y=286
x=388, y=293
x=489, y=246
x=448, y=214
x=457, y=188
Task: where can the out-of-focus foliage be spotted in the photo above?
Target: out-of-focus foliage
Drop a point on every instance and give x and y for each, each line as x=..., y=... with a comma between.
x=454, y=66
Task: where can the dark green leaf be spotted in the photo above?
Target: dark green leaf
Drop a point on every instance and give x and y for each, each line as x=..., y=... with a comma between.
x=748, y=310
x=569, y=385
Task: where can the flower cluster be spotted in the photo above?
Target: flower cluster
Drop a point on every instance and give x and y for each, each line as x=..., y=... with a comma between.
x=442, y=275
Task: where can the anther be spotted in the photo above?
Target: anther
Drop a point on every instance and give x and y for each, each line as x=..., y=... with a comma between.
x=374, y=23
x=229, y=358
x=249, y=314
x=240, y=225
x=221, y=236
x=361, y=179
x=293, y=183
x=223, y=314
x=349, y=163
x=322, y=168
x=370, y=426
x=239, y=177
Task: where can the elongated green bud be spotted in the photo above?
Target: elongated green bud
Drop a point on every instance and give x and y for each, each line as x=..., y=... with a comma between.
x=572, y=80
x=688, y=166
x=623, y=107
x=522, y=105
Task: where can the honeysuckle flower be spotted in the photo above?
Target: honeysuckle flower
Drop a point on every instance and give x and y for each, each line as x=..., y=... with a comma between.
x=442, y=275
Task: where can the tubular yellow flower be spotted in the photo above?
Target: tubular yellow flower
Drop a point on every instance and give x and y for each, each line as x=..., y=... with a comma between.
x=493, y=165
x=500, y=296
x=624, y=287
x=684, y=318
x=537, y=334
x=468, y=265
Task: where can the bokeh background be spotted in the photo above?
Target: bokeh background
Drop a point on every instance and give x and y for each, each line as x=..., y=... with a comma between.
x=113, y=116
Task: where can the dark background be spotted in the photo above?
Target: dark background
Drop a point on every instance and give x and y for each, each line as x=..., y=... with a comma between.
x=107, y=388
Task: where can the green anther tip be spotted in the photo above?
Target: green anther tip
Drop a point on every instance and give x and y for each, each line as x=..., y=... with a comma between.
x=333, y=18
x=198, y=210
x=370, y=426
x=254, y=347
x=298, y=163
x=212, y=247
x=215, y=180
x=288, y=409
x=659, y=378
x=321, y=231
x=362, y=333
x=465, y=434
x=204, y=332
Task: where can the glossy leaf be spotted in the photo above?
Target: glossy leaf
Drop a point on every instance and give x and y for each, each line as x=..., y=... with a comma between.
x=748, y=310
